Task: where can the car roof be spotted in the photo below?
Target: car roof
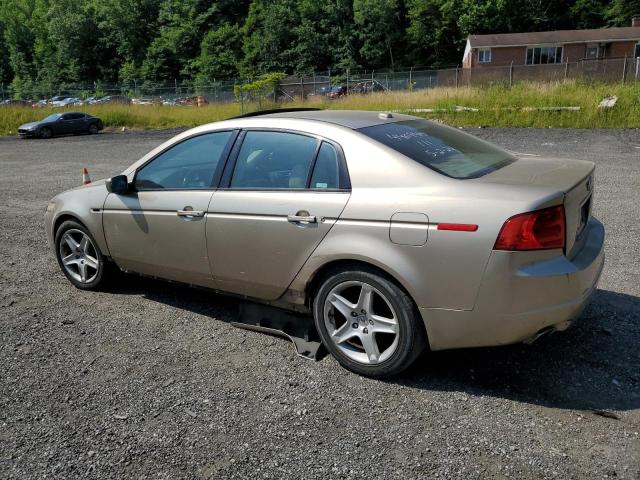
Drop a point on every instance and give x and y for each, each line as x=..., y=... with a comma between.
x=347, y=118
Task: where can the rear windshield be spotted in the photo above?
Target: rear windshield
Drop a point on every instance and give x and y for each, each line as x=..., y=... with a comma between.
x=443, y=149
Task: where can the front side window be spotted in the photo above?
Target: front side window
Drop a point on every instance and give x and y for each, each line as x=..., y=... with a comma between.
x=274, y=160
x=637, y=51
x=53, y=117
x=484, y=55
x=190, y=164
x=443, y=149
x=544, y=55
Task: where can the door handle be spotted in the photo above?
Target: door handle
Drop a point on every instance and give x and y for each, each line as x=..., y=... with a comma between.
x=302, y=217
x=190, y=212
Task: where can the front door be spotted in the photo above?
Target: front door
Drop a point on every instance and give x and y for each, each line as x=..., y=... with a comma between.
x=282, y=196
x=65, y=124
x=159, y=228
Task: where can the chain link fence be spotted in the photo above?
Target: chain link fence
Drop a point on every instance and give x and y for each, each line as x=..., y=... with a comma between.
x=624, y=70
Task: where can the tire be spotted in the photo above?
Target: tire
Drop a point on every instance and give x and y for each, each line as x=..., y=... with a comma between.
x=46, y=132
x=380, y=340
x=93, y=129
x=86, y=267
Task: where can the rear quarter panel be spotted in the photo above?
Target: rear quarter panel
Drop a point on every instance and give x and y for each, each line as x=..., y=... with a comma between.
x=447, y=270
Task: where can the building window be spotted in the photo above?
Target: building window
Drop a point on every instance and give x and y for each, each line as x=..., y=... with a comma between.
x=542, y=55
x=484, y=55
x=637, y=52
x=592, y=52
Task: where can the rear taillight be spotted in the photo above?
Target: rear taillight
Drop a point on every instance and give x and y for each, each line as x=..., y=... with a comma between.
x=539, y=230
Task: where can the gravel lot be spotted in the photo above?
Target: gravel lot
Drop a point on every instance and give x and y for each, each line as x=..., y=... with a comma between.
x=149, y=380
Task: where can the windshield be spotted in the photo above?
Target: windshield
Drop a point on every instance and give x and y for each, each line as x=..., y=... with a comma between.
x=53, y=117
x=443, y=149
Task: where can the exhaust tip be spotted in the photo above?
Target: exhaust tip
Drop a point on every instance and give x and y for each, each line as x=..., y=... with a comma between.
x=540, y=333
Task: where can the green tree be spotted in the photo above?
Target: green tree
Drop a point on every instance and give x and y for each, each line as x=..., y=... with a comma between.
x=5, y=68
x=620, y=12
x=378, y=23
x=51, y=45
x=181, y=26
x=433, y=32
x=20, y=38
x=588, y=13
x=269, y=38
x=324, y=36
x=125, y=28
x=220, y=54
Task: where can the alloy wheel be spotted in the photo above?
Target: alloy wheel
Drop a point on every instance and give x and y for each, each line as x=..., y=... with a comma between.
x=361, y=322
x=79, y=255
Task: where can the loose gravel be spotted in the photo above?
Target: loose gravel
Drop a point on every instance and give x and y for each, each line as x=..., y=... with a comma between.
x=149, y=380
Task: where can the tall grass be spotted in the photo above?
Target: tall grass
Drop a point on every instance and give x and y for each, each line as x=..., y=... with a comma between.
x=497, y=106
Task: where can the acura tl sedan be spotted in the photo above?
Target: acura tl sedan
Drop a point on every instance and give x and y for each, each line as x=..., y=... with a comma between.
x=61, y=124
x=397, y=234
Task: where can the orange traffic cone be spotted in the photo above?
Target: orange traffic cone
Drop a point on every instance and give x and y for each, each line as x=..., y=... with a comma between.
x=86, y=180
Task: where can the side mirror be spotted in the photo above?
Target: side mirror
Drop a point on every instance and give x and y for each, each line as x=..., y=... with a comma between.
x=118, y=185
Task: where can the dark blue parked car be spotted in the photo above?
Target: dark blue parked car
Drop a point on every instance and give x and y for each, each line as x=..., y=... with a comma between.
x=61, y=124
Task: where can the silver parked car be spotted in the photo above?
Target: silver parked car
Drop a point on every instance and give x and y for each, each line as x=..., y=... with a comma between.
x=396, y=233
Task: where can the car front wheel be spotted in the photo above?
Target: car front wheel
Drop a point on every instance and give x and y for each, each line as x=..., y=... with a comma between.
x=46, y=132
x=93, y=129
x=79, y=257
x=368, y=323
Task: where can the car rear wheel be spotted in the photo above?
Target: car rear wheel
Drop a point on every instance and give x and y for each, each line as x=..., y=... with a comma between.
x=93, y=129
x=46, y=132
x=368, y=323
x=79, y=257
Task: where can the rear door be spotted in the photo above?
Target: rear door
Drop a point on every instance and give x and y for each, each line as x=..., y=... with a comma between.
x=74, y=122
x=80, y=123
x=280, y=195
x=158, y=228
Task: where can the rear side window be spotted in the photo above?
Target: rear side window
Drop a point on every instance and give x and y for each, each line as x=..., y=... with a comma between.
x=274, y=160
x=190, y=164
x=326, y=173
x=443, y=149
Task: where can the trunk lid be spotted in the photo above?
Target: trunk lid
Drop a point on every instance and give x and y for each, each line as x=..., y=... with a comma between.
x=572, y=177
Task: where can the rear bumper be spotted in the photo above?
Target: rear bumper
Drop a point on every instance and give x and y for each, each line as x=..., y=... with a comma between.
x=521, y=294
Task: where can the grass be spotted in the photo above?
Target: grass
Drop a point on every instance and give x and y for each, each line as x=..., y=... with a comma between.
x=498, y=106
